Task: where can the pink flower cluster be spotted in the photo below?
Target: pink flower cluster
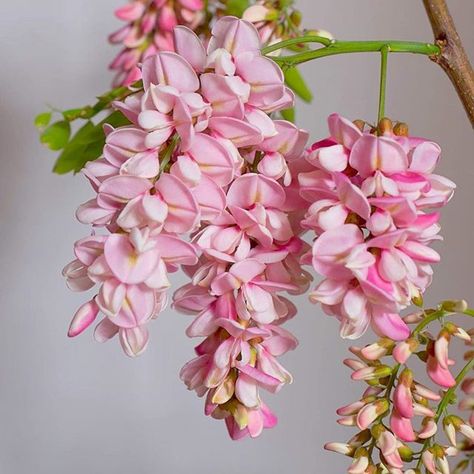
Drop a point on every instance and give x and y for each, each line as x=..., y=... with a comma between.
x=250, y=254
x=149, y=29
x=393, y=392
x=372, y=197
x=200, y=123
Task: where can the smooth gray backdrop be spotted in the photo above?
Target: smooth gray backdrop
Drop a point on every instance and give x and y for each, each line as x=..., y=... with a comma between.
x=74, y=407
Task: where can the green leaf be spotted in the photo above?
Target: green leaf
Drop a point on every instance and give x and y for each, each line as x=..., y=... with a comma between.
x=73, y=114
x=86, y=145
x=56, y=136
x=294, y=80
x=288, y=114
x=43, y=120
x=237, y=7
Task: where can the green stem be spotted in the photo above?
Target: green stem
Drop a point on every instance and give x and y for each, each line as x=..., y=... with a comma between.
x=166, y=157
x=428, y=320
x=346, y=47
x=383, y=81
x=438, y=315
x=447, y=398
x=296, y=41
x=104, y=102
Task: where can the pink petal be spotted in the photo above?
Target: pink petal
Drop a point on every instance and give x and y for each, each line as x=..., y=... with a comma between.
x=83, y=318
x=242, y=134
x=134, y=341
x=251, y=188
x=169, y=68
x=343, y=130
x=190, y=47
x=183, y=209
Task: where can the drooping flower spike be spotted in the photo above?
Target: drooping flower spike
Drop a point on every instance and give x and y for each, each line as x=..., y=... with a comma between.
x=372, y=196
x=397, y=416
x=202, y=157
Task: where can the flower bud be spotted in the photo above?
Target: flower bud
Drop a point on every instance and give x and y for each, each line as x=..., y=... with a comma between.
x=348, y=420
x=371, y=412
x=415, y=317
x=454, y=306
x=441, y=347
x=402, y=397
x=321, y=33
x=351, y=409
x=360, y=124
x=378, y=349
x=401, y=129
x=372, y=373
x=453, y=424
x=428, y=428
x=385, y=126
x=360, y=463
x=406, y=453
x=425, y=392
x=296, y=18
x=354, y=364
x=340, y=448
x=360, y=438
x=403, y=350
x=457, y=331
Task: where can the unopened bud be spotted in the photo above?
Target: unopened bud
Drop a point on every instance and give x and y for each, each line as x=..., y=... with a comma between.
x=371, y=412
x=418, y=300
x=406, y=453
x=360, y=438
x=296, y=18
x=340, y=448
x=457, y=331
x=385, y=126
x=378, y=349
x=401, y=129
x=415, y=317
x=403, y=350
x=320, y=33
x=360, y=124
x=428, y=428
x=372, y=373
x=454, y=306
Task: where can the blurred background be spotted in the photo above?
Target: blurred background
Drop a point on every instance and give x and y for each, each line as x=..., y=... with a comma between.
x=74, y=406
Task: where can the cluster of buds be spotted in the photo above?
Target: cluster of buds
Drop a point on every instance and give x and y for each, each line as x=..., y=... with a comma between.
x=413, y=409
x=150, y=24
x=372, y=192
x=275, y=20
x=467, y=404
x=149, y=29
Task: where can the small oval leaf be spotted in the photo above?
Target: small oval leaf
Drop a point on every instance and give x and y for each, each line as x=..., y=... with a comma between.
x=56, y=136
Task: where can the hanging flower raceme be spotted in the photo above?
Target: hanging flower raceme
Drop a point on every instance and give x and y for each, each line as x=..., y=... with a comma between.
x=249, y=257
x=200, y=122
x=149, y=29
x=394, y=392
x=236, y=160
x=372, y=194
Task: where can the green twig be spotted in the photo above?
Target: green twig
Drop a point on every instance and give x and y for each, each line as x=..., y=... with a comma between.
x=383, y=81
x=295, y=42
x=346, y=47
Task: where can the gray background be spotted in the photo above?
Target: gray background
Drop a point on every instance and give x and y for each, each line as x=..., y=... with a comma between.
x=80, y=407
